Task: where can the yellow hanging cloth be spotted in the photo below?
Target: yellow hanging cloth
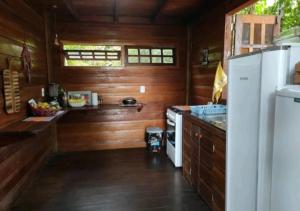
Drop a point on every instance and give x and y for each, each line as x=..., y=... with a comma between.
x=220, y=82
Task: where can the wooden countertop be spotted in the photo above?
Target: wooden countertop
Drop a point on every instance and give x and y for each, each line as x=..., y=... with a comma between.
x=21, y=130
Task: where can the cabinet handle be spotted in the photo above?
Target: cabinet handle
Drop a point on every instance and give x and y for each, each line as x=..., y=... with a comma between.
x=190, y=171
x=212, y=198
x=213, y=148
x=196, y=134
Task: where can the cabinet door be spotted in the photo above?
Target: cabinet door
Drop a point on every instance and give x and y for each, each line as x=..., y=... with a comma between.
x=206, y=164
x=218, y=178
x=195, y=155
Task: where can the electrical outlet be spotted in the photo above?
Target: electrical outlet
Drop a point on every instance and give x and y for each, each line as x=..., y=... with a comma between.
x=142, y=89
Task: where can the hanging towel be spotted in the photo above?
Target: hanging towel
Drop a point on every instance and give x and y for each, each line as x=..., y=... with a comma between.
x=220, y=82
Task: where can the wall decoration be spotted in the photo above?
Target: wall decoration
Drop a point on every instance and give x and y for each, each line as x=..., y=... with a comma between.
x=26, y=62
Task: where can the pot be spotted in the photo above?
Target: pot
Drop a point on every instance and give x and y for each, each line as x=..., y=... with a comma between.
x=129, y=101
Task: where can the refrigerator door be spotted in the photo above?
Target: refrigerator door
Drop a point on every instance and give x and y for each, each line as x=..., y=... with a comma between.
x=242, y=132
x=286, y=169
x=273, y=75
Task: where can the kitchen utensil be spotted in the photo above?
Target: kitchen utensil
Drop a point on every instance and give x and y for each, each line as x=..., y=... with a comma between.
x=11, y=91
x=129, y=101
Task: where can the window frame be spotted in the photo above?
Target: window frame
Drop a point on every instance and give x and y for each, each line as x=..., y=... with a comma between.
x=150, y=48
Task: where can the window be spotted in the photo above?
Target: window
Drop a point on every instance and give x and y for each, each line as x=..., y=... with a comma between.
x=92, y=55
x=150, y=56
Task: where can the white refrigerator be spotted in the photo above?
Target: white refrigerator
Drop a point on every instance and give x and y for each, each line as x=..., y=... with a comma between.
x=286, y=160
x=252, y=82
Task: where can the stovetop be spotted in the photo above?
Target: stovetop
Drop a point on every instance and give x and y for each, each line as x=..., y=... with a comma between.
x=180, y=109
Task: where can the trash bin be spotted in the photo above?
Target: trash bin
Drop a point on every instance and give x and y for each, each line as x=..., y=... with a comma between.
x=154, y=137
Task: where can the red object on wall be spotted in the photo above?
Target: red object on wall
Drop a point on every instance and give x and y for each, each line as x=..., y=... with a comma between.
x=26, y=62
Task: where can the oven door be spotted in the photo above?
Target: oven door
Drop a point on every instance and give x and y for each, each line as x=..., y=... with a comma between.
x=171, y=132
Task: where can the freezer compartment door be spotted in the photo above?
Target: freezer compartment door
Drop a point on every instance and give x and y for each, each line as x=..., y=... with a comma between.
x=286, y=160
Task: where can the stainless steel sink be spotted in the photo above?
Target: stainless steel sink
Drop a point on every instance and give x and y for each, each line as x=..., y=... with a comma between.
x=218, y=120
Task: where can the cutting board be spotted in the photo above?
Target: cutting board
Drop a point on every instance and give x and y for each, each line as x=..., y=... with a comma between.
x=11, y=91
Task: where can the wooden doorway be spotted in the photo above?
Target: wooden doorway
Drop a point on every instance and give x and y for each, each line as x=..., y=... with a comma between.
x=253, y=32
x=233, y=37
x=248, y=33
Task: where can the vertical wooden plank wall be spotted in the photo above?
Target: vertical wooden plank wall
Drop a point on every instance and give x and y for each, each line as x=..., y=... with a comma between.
x=13, y=32
x=19, y=162
x=208, y=32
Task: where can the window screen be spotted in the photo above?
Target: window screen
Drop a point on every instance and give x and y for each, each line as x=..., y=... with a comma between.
x=136, y=55
x=92, y=55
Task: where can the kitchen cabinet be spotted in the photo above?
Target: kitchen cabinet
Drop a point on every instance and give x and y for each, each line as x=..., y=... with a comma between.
x=195, y=155
x=186, y=155
x=204, y=148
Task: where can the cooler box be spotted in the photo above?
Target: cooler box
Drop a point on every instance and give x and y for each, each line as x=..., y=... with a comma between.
x=154, y=137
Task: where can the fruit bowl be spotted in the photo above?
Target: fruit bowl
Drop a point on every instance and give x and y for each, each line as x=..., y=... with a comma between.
x=44, y=111
x=44, y=108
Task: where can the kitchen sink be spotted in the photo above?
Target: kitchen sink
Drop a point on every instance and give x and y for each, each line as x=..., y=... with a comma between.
x=218, y=120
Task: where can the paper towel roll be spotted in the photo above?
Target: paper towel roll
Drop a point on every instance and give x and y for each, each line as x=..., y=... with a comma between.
x=94, y=99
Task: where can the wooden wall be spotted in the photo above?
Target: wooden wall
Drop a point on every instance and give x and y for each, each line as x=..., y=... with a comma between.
x=208, y=32
x=165, y=85
x=20, y=161
x=18, y=23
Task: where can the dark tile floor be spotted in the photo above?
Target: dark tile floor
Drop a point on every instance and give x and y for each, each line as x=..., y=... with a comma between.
x=119, y=180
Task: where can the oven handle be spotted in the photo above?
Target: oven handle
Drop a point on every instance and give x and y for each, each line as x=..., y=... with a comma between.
x=170, y=123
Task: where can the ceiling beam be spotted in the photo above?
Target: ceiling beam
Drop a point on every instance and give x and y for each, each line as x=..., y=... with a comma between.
x=70, y=6
x=204, y=8
x=116, y=13
x=158, y=9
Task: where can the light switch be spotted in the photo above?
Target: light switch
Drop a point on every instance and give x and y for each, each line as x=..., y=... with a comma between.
x=142, y=89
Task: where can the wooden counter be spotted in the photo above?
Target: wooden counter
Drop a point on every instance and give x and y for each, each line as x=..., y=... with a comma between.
x=22, y=130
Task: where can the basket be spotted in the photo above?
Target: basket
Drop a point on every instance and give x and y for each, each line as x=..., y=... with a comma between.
x=209, y=109
x=43, y=112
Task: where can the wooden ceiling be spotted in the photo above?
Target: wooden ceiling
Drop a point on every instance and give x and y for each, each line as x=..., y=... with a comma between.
x=121, y=11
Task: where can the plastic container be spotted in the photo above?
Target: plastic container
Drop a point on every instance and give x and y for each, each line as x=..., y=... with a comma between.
x=209, y=109
x=154, y=137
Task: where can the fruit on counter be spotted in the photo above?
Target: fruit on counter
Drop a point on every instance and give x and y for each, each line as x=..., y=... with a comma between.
x=45, y=105
x=55, y=105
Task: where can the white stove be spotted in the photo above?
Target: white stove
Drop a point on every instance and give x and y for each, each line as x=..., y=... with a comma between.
x=174, y=135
